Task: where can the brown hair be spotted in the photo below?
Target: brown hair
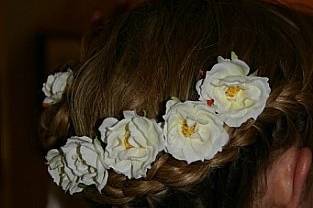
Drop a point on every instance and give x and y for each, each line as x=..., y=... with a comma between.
x=138, y=60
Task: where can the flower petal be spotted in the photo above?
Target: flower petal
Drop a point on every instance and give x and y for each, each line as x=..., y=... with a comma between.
x=107, y=123
x=55, y=85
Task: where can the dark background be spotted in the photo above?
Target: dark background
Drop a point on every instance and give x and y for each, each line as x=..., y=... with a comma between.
x=35, y=37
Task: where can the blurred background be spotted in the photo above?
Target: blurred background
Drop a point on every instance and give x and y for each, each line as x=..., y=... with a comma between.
x=36, y=36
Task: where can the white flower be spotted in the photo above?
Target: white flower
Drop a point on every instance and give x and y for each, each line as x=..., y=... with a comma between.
x=132, y=143
x=192, y=132
x=237, y=97
x=55, y=85
x=60, y=173
x=78, y=164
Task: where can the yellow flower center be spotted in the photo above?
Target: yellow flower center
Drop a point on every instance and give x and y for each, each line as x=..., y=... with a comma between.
x=125, y=140
x=186, y=130
x=232, y=91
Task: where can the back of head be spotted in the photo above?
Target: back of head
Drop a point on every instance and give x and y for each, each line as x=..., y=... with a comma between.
x=137, y=61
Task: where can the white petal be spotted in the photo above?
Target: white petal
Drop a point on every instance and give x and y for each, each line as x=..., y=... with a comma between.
x=65, y=183
x=123, y=167
x=103, y=128
x=220, y=59
x=55, y=174
x=198, y=88
x=103, y=182
x=48, y=100
x=89, y=156
x=171, y=103
x=52, y=153
x=59, y=85
x=233, y=55
x=191, y=154
x=129, y=114
x=75, y=189
x=79, y=140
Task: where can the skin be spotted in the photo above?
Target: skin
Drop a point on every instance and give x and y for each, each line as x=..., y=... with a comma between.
x=286, y=180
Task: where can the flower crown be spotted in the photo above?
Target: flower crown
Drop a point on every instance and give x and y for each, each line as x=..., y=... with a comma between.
x=191, y=130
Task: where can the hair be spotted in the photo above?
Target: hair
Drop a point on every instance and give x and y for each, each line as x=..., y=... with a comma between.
x=138, y=60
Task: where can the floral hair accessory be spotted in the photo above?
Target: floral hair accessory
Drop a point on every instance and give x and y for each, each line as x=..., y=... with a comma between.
x=132, y=143
x=77, y=164
x=191, y=130
x=237, y=96
x=55, y=85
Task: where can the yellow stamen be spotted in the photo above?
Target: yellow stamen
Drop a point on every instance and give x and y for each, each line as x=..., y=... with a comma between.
x=186, y=130
x=232, y=91
x=125, y=140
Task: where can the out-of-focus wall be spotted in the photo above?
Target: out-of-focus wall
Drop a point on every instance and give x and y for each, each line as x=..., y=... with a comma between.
x=24, y=179
x=3, y=105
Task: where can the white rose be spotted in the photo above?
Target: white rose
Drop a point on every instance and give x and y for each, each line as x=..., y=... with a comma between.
x=132, y=143
x=78, y=164
x=237, y=97
x=55, y=85
x=60, y=173
x=192, y=132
